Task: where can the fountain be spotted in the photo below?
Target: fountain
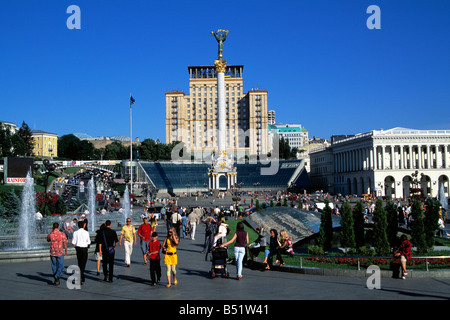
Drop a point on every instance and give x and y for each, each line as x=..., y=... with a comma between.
x=91, y=204
x=126, y=205
x=26, y=243
x=27, y=223
x=442, y=198
x=23, y=241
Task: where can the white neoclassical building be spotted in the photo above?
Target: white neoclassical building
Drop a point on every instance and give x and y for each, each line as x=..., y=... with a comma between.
x=385, y=163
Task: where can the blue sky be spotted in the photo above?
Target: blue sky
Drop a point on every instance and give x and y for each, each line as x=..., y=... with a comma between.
x=323, y=68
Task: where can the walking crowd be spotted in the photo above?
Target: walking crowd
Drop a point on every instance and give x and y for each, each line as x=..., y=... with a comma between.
x=180, y=223
x=106, y=241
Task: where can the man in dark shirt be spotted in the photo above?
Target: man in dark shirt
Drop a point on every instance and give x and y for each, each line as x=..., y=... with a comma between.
x=107, y=239
x=168, y=218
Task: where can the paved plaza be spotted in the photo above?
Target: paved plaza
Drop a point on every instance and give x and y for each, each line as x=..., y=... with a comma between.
x=33, y=281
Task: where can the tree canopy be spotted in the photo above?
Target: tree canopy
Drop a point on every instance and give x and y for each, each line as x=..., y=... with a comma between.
x=19, y=143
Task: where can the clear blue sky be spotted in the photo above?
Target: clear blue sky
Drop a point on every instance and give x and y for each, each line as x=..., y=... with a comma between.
x=323, y=68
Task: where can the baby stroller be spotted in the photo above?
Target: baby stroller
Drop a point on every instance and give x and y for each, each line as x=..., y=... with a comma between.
x=219, y=262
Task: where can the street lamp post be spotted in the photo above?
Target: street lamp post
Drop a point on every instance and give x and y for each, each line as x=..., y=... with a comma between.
x=416, y=191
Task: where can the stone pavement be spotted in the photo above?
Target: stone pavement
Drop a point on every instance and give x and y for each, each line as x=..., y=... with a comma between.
x=33, y=281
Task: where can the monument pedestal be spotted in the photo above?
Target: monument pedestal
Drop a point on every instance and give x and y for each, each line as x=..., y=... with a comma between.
x=222, y=174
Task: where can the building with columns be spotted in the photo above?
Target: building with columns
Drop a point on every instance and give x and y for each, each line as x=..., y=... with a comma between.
x=384, y=163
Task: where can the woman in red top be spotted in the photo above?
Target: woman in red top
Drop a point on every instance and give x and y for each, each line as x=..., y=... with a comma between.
x=404, y=252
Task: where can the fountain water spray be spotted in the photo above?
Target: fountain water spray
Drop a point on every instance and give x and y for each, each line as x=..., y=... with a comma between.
x=126, y=204
x=27, y=222
x=91, y=203
x=442, y=198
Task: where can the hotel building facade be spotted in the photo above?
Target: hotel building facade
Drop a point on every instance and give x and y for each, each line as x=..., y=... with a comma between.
x=384, y=163
x=193, y=118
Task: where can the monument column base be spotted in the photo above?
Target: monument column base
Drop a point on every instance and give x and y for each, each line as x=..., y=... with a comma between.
x=222, y=174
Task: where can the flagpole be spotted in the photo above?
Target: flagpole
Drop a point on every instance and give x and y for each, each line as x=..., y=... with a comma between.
x=131, y=147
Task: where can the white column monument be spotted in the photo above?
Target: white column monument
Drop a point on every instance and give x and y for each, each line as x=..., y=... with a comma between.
x=222, y=174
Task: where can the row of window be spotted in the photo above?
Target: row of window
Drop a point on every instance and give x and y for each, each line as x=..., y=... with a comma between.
x=210, y=88
x=38, y=146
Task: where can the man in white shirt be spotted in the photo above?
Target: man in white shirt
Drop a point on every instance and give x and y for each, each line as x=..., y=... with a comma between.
x=193, y=221
x=39, y=220
x=81, y=241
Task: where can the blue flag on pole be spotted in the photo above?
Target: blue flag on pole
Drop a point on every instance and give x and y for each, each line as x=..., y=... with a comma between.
x=131, y=100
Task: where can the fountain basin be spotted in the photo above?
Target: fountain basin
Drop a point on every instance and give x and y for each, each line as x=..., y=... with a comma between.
x=34, y=255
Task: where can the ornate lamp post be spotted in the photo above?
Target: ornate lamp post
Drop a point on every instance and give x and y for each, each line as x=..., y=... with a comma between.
x=416, y=192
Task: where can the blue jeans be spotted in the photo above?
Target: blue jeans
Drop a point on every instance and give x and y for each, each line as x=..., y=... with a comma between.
x=239, y=253
x=57, y=264
x=144, y=246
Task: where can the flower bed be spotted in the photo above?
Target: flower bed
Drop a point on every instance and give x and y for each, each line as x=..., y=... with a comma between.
x=364, y=262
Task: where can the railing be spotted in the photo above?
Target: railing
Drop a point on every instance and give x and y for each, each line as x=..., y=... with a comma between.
x=361, y=258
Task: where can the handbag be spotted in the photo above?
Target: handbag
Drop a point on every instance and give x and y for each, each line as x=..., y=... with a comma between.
x=111, y=250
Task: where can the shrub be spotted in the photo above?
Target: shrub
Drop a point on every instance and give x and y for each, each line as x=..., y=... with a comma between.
x=315, y=250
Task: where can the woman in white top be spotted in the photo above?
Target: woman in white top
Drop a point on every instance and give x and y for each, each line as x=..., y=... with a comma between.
x=221, y=232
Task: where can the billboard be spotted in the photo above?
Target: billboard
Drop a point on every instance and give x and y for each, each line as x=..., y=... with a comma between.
x=16, y=169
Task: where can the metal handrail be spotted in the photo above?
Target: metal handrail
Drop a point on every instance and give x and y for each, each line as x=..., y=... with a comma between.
x=368, y=257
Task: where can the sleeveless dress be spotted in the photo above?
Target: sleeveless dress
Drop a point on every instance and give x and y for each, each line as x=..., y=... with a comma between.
x=170, y=257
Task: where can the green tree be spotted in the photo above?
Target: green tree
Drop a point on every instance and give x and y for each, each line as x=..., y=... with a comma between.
x=431, y=221
x=3, y=211
x=26, y=136
x=347, y=235
x=71, y=147
x=417, y=227
x=257, y=207
x=116, y=151
x=358, y=224
x=6, y=145
x=17, y=144
x=85, y=150
x=392, y=222
x=18, y=148
x=381, y=243
x=326, y=227
x=12, y=204
x=60, y=206
x=284, y=149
